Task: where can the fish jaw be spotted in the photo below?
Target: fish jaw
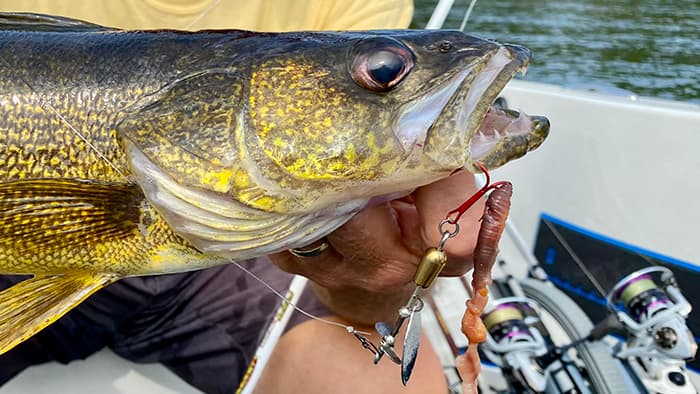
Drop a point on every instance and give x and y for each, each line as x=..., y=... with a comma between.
x=505, y=135
x=488, y=135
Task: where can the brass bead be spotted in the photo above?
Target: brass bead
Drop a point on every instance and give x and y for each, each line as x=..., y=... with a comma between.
x=431, y=264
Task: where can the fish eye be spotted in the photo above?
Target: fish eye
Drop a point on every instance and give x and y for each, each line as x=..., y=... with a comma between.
x=380, y=64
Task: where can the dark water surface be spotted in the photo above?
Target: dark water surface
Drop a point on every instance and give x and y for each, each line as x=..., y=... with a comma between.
x=651, y=48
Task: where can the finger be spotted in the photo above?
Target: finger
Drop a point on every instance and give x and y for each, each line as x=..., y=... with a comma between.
x=317, y=268
x=434, y=201
x=372, y=241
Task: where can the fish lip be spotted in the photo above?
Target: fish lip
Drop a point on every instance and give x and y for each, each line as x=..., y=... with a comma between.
x=523, y=134
x=448, y=137
x=518, y=61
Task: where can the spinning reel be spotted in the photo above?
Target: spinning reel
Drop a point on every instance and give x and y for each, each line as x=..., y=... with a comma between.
x=652, y=311
x=515, y=344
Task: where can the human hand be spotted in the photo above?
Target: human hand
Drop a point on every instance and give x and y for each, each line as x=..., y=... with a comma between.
x=367, y=271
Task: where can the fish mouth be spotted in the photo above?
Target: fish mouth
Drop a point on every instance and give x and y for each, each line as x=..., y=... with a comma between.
x=458, y=125
x=499, y=135
x=502, y=131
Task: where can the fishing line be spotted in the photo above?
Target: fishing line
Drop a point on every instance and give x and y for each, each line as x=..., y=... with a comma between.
x=293, y=305
x=202, y=14
x=47, y=106
x=576, y=259
x=248, y=272
x=82, y=137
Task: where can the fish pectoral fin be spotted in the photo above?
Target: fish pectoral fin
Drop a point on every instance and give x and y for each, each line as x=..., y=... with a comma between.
x=25, y=21
x=30, y=306
x=54, y=214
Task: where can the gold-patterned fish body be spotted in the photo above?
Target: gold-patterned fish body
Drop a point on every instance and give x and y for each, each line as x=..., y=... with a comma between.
x=134, y=153
x=69, y=201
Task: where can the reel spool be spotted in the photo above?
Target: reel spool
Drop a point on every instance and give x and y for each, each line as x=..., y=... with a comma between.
x=641, y=297
x=510, y=325
x=505, y=321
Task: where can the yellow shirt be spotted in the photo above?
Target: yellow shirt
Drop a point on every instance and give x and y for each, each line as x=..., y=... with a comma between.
x=257, y=15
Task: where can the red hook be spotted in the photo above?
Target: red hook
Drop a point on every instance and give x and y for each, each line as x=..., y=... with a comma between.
x=474, y=198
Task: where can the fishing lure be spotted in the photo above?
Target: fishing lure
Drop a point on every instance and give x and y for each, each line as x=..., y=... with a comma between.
x=492, y=225
x=433, y=261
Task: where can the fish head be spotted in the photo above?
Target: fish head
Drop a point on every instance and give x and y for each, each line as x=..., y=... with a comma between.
x=300, y=131
x=375, y=113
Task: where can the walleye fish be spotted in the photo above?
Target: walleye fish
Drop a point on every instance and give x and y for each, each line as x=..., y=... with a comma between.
x=136, y=153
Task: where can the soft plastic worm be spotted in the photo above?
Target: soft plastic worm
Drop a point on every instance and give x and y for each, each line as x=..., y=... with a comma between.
x=492, y=225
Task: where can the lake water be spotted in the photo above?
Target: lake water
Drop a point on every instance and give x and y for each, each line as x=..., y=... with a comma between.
x=651, y=48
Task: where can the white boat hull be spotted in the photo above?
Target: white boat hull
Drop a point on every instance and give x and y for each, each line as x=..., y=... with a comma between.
x=625, y=168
